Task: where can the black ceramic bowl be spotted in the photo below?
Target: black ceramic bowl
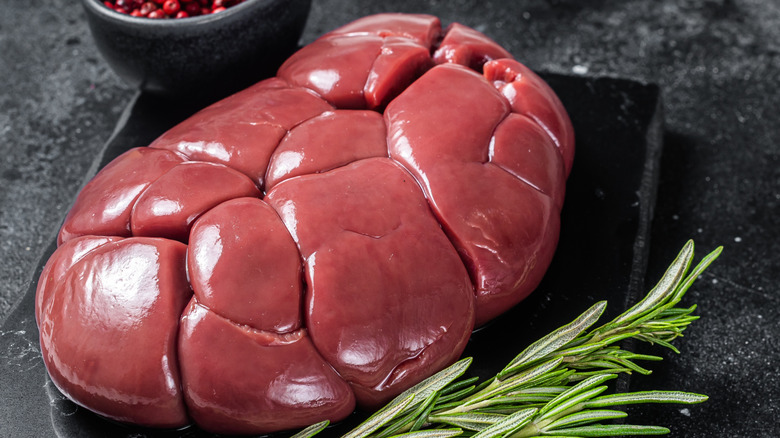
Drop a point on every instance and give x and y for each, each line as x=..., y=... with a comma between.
x=209, y=54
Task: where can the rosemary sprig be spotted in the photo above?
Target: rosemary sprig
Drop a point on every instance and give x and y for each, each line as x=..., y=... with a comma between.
x=553, y=387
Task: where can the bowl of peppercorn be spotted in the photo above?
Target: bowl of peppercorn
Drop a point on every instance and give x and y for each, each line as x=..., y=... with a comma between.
x=195, y=48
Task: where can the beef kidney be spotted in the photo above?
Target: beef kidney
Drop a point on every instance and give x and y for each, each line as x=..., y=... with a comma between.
x=322, y=240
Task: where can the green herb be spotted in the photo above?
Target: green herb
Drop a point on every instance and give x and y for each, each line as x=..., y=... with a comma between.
x=554, y=387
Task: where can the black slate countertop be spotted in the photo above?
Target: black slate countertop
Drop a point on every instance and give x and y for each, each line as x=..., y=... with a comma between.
x=717, y=63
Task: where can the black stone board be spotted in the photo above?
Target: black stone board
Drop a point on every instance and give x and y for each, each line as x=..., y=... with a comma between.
x=602, y=253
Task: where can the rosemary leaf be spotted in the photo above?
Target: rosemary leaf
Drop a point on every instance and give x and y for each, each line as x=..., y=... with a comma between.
x=582, y=350
x=577, y=389
x=437, y=433
x=444, y=399
x=555, y=340
x=312, y=430
x=662, y=291
x=459, y=385
x=380, y=418
x=423, y=417
x=572, y=403
x=508, y=425
x=436, y=382
x=553, y=436
x=622, y=354
x=552, y=391
x=597, y=430
x=499, y=387
x=469, y=420
x=617, y=337
x=584, y=417
x=582, y=375
x=522, y=399
x=631, y=365
x=646, y=397
x=406, y=421
x=703, y=264
x=601, y=365
x=659, y=341
x=676, y=311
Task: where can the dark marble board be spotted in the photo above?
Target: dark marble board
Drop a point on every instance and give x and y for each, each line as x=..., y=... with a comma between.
x=602, y=254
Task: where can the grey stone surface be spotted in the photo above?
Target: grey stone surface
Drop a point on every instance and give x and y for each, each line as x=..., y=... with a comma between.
x=717, y=63
x=58, y=104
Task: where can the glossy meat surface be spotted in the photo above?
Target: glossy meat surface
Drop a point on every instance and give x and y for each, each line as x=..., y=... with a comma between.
x=106, y=202
x=244, y=265
x=122, y=299
x=502, y=225
x=316, y=243
x=382, y=252
x=239, y=380
x=328, y=141
x=243, y=130
x=169, y=206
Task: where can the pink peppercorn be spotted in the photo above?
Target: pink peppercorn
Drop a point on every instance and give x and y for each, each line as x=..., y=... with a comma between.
x=169, y=8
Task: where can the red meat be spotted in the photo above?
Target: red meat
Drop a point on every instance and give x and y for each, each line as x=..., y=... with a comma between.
x=240, y=380
x=322, y=240
x=106, y=202
x=377, y=265
x=109, y=331
x=244, y=265
x=502, y=226
x=328, y=141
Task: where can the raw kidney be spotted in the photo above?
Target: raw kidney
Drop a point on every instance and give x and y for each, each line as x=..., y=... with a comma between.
x=322, y=240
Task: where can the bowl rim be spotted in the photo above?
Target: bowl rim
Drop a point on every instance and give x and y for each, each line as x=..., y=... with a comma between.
x=98, y=8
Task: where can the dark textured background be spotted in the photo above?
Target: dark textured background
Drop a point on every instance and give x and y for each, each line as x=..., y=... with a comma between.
x=717, y=63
